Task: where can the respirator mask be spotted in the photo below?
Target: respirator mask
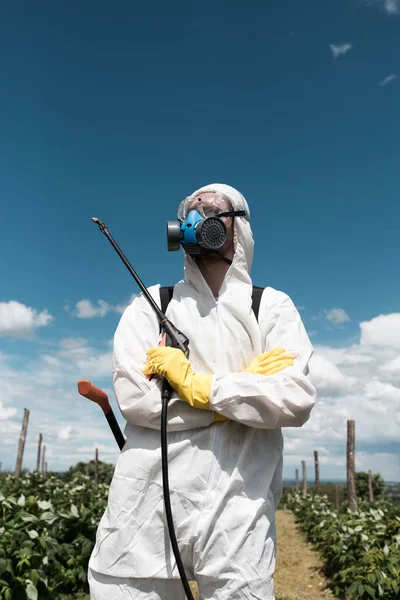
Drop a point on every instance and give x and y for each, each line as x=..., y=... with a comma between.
x=199, y=235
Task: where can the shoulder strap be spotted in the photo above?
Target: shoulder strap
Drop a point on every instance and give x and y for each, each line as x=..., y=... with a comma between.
x=256, y=299
x=167, y=292
x=165, y=297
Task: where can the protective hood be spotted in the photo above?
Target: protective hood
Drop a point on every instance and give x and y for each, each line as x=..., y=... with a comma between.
x=243, y=237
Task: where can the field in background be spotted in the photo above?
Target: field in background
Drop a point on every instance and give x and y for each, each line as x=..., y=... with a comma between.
x=48, y=527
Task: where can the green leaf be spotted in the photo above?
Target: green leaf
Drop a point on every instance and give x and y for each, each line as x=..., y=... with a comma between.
x=370, y=591
x=34, y=576
x=3, y=565
x=49, y=517
x=44, y=504
x=87, y=547
x=26, y=547
x=43, y=577
x=74, y=511
x=33, y=534
x=360, y=589
x=351, y=589
x=9, y=567
x=31, y=591
x=28, y=518
x=8, y=594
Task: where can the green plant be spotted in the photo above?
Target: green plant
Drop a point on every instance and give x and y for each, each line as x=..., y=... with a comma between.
x=47, y=532
x=378, y=486
x=361, y=551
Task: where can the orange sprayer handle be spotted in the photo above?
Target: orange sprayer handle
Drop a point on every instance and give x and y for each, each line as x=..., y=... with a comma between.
x=85, y=388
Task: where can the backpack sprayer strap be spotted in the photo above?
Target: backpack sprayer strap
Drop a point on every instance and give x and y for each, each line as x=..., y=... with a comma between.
x=167, y=292
x=165, y=297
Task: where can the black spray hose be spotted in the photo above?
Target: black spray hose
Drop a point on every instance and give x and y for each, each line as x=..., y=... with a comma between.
x=165, y=398
x=176, y=339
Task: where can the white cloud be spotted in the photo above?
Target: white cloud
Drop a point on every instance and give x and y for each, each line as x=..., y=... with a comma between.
x=121, y=307
x=388, y=79
x=328, y=377
x=337, y=316
x=85, y=309
x=67, y=433
x=392, y=366
x=391, y=7
x=383, y=330
x=18, y=320
x=377, y=389
x=87, y=362
x=360, y=382
x=338, y=49
x=47, y=386
x=6, y=413
x=72, y=343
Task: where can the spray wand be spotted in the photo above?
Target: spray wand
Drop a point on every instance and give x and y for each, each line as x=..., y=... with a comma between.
x=175, y=338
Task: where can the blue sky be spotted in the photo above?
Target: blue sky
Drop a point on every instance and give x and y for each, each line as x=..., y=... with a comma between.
x=119, y=111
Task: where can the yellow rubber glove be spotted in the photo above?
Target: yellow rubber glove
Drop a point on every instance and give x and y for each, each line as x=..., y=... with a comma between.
x=269, y=363
x=172, y=364
x=218, y=417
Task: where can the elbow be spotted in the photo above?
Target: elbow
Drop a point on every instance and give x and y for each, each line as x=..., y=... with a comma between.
x=305, y=402
x=306, y=406
x=302, y=418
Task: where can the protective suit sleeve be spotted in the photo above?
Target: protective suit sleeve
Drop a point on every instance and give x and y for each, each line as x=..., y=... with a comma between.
x=139, y=399
x=284, y=399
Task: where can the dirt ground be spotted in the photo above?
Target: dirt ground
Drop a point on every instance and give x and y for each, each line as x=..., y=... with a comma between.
x=298, y=570
x=298, y=573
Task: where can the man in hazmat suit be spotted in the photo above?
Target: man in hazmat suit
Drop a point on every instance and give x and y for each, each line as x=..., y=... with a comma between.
x=244, y=381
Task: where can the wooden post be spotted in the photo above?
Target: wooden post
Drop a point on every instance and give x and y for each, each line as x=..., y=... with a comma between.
x=303, y=465
x=39, y=452
x=1, y=464
x=351, y=471
x=21, y=445
x=43, y=457
x=297, y=479
x=337, y=497
x=87, y=470
x=316, y=471
x=96, y=466
x=370, y=487
x=45, y=469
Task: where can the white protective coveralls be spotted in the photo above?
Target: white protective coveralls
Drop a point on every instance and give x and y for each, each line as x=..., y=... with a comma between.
x=225, y=477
